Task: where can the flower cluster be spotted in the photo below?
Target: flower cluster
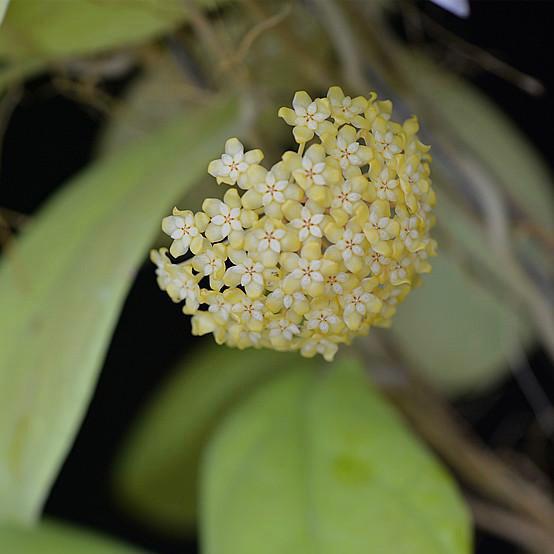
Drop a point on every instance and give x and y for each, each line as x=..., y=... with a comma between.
x=315, y=250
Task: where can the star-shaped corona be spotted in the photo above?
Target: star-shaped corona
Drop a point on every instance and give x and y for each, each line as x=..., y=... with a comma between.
x=313, y=251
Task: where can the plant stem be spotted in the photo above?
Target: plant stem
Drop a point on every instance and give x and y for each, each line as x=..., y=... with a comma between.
x=514, y=528
x=475, y=465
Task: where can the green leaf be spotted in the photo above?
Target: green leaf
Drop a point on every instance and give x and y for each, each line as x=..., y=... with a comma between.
x=63, y=285
x=455, y=331
x=156, y=475
x=35, y=33
x=318, y=462
x=60, y=28
x=460, y=329
x=459, y=299
x=3, y=7
x=152, y=100
x=55, y=538
x=489, y=133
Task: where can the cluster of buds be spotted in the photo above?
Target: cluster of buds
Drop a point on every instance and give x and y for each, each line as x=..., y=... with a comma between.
x=312, y=252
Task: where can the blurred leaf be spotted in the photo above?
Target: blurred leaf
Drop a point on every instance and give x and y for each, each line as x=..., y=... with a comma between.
x=3, y=7
x=492, y=137
x=159, y=94
x=453, y=303
x=318, y=462
x=150, y=101
x=157, y=473
x=488, y=132
x=35, y=33
x=52, y=29
x=55, y=538
x=63, y=285
x=455, y=331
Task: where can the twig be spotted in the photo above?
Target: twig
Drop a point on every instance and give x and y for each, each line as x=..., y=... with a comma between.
x=478, y=467
x=12, y=256
x=84, y=92
x=476, y=180
x=485, y=59
x=13, y=217
x=538, y=400
x=475, y=465
x=8, y=103
x=315, y=71
x=213, y=45
x=497, y=226
x=538, y=231
x=509, y=526
x=204, y=30
x=340, y=34
x=255, y=32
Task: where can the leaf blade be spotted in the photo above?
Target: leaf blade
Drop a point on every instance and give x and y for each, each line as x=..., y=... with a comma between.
x=48, y=30
x=87, y=243
x=156, y=473
x=312, y=460
x=35, y=34
x=55, y=538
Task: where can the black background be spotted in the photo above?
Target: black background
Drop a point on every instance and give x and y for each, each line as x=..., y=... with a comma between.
x=51, y=137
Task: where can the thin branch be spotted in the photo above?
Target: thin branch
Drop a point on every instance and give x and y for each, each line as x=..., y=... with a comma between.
x=84, y=92
x=13, y=218
x=213, y=45
x=497, y=225
x=475, y=465
x=315, y=70
x=205, y=31
x=258, y=30
x=537, y=398
x=8, y=103
x=484, y=59
x=511, y=527
x=537, y=231
x=340, y=33
x=475, y=180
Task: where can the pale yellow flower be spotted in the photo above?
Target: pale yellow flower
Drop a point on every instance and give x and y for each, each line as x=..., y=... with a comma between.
x=317, y=249
x=308, y=117
x=231, y=168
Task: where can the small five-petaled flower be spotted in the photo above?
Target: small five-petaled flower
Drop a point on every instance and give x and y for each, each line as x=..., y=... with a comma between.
x=315, y=250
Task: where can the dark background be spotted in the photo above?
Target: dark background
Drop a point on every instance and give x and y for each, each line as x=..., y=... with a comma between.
x=50, y=137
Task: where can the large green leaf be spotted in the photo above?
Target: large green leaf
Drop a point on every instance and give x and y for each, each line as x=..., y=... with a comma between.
x=491, y=136
x=153, y=99
x=318, y=462
x=157, y=473
x=37, y=32
x=55, y=538
x=51, y=29
x=150, y=101
x=455, y=331
x=3, y=8
x=460, y=328
x=63, y=284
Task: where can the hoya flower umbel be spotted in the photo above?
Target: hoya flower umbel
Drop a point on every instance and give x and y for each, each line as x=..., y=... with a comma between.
x=316, y=249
